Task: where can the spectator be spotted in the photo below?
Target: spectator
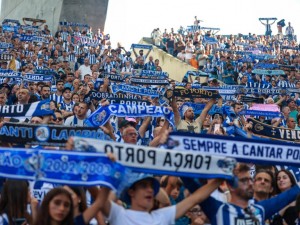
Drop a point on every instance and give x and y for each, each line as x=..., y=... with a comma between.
x=56, y=207
x=80, y=115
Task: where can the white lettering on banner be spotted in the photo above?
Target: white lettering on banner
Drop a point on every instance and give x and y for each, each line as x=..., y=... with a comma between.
x=11, y=109
x=166, y=161
x=289, y=134
x=215, y=147
x=138, y=109
x=180, y=161
x=112, y=108
x=252, y=151
x=6, y=159
x=34, y=77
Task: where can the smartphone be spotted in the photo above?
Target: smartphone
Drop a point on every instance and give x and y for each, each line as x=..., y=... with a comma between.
x=19, y=221
x=217, y=127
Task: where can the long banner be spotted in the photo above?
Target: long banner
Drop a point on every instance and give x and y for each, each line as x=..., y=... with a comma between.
x=102, y=114
x=195, y=93
x=41, y=108
x=101, y=95
x=134, y=90
x=243, y=150
x=46, y=135
x=61, y=167
x=150, y=81
x=161, y=161
x=276, y=133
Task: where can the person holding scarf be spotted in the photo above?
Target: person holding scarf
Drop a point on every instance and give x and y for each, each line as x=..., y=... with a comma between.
x=189, y=123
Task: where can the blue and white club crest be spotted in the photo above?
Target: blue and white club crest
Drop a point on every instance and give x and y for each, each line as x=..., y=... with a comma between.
x=100, y=117
x=227, y=164
x=42, y=133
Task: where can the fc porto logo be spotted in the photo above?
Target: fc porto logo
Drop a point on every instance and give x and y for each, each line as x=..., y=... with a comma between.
x=226, y=164
x=45, y=106
x=100, y=118
x=42, y=134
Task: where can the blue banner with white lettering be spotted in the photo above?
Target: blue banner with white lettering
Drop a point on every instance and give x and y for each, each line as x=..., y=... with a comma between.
x=268, y=72
x=80, y=168
x=102, y=114
x=141, y=46
x=8, y=28
x=46, y=134
x=18, y=163
x=37, y=77
x=5, y=45
x=41, y=108
x=61, y=167
x=260, y=113
x=134, y=90
x=150, y=73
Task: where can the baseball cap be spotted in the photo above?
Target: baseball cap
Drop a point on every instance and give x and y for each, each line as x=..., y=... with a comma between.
x=127, y=121
x=134, y=178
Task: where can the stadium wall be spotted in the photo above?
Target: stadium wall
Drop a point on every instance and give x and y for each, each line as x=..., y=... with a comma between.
x=92, y=12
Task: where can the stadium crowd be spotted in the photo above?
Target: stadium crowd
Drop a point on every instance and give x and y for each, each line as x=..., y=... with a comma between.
x=83, y=64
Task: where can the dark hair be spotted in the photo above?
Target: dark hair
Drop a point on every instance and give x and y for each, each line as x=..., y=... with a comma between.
x=298, y=204
x=43, y=215
x=60, y=81
x=269, y=172
x=79, y=191
x=241, y=167
x=55, y=103
x=236, y=103
x=290, y=175
x=165, y=182
x=14, y=200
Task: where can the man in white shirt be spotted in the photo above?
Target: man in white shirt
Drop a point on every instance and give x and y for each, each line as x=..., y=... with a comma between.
x=140, y=193
x=84, y=69
x=79, y=117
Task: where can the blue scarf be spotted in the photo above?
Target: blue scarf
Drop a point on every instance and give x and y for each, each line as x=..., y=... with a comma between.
x=268, y=72
x=150, y=73
x=5, y=45
x=149, y=81
x=149, y=47
x=162, y=161
x=102, y=114
x=41, y=108
x=260, y=113
x=64, y=23
x=134, y=90
x=61, y=167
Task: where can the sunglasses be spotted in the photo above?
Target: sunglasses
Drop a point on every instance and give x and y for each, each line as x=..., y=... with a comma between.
x=58, y=119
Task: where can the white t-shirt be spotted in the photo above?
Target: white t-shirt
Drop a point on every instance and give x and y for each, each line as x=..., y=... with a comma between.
x=119, y=215
x=85, y=70
x=71, y=121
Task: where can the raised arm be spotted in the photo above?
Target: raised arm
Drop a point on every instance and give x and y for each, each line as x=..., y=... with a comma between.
x=204, y=112
x=197, y=197
x=175, y=110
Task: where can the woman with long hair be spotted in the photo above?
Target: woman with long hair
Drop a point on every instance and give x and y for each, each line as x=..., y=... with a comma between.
x=82, y=213
x=15, y=197
x=56, y=208
x=284, y=181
